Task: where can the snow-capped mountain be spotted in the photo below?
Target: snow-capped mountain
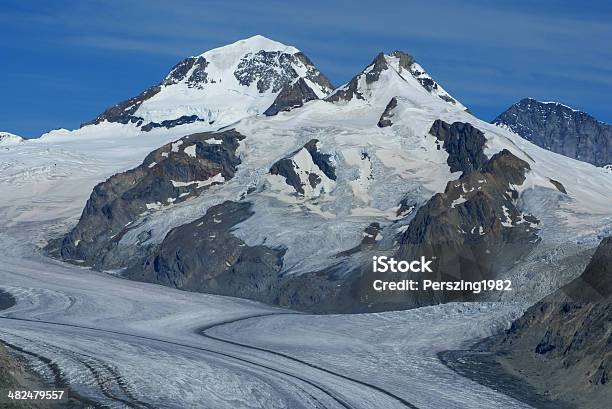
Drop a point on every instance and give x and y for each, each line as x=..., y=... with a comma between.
x=223, y=85
x=7, y=138
x=365, y=84
x=561, y=129
x=290, y=208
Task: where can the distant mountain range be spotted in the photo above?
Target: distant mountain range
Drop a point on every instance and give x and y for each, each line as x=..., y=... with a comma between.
x=560, y=129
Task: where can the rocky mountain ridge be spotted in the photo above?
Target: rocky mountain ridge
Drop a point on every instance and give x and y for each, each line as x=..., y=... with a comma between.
x=563, y=343
x=560, y=129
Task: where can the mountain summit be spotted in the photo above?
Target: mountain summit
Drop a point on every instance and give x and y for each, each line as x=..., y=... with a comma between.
x=223, y=85
x=560, y=129
x=395, y=70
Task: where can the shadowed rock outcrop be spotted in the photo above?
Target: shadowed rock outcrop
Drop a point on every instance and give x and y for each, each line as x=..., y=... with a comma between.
x=385, y=118
x=169, y=175
x=464, y=145
x=371, y=74
x=185, y=119
x=291, y=96
x=272, y=70
x=205, y=256
x=558, y=185
x=123, y=112
x=289, y=167
x=563, y=344
x=6, y=300
x=472, y=231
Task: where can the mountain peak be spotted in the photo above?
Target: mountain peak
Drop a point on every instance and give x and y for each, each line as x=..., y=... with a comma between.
x=254, y=43
x=402, y=70
x=222, y=86
x=561, y=129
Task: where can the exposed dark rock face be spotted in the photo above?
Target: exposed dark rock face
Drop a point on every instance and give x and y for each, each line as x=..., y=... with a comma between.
x=595, y=283
x=272, y=70
x=563, y=344
x=321, y=292
x=464, y=145
x=288, y=168
x=406, y=207
x=322, y=160
x=198, y=76
x=378, y=65
x=558, y=185
x=371, y=235
x=15, y=375
x=560, y=129
x=472, y=231
x=351, y=90
x=292, y=96
x=261, y=68
x=179, y=71
x=385, y=118
x=185, y=119
x=473, y=228
x=205, y=256
x=406, y=60
x=6, y=300
x=124, y=111
x=168, y=175
x=313, y=74
x=347, y=93
x=285, y=168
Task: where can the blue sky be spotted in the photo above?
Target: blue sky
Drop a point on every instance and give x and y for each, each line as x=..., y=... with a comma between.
x=63, y=62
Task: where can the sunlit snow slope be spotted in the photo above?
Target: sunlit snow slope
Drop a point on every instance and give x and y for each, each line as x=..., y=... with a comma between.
x=220, y=86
